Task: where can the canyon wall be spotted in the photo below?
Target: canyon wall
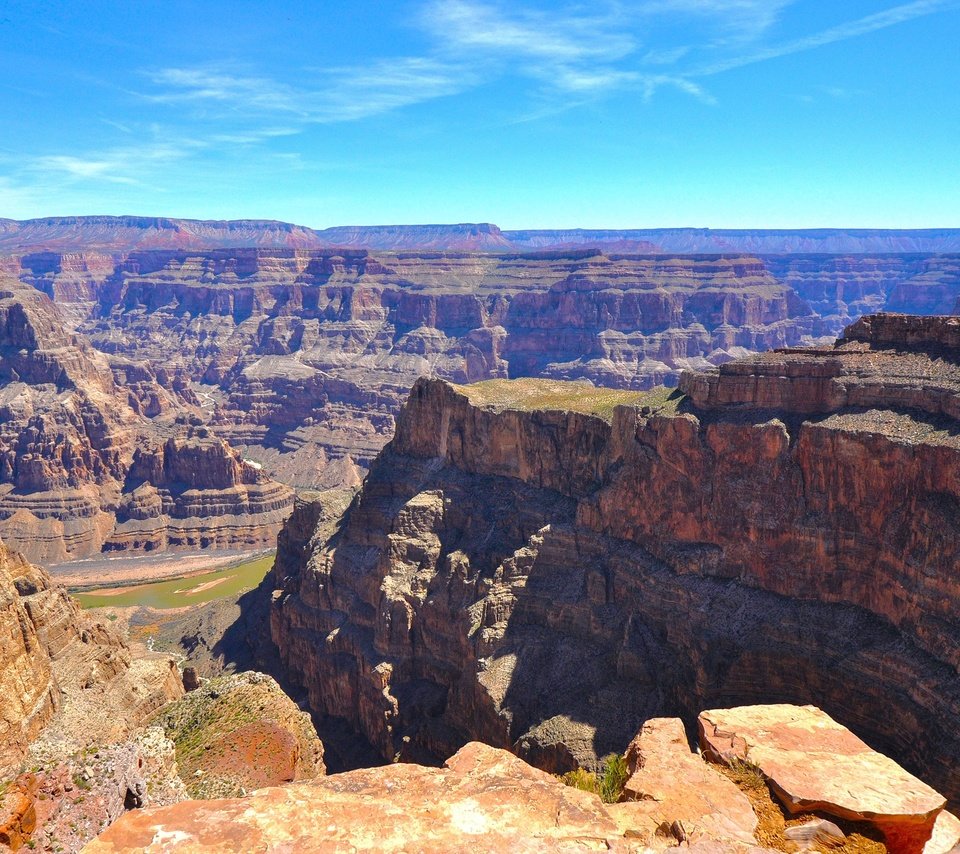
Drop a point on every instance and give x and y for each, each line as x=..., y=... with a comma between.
x=99, y=452
x=299, y=359
x=123, y=233
x=782, y=528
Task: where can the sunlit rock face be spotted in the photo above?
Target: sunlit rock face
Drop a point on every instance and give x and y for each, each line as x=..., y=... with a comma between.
x=99, y=453
x=544, y=579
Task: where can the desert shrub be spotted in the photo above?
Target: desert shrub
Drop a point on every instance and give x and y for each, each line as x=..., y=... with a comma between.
x=586, y=781
x=613, y=777
x=608, y=783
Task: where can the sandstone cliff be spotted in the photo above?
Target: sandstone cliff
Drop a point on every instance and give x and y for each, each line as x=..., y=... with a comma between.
x=543, y=579
x=302, y=357
x=76, y=431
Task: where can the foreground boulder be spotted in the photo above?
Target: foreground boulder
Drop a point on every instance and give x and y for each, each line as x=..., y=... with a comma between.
x=484, y=799
x=669, y=783
x=813, y=764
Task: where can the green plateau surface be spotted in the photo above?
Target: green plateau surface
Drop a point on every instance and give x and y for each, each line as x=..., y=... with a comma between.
x=181, y=592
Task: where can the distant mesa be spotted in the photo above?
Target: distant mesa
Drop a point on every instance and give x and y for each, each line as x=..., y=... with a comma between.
x=123, y=233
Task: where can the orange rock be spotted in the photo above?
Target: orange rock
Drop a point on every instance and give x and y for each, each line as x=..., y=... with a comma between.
x=18, y=817
x=669, y=783
x=814, y=764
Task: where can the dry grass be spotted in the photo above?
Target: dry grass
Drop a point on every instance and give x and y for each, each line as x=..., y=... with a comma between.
x=527, y=395
x=772, y=820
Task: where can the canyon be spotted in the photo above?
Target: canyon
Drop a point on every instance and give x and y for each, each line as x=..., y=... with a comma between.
x=260, y=360
x=543, y=566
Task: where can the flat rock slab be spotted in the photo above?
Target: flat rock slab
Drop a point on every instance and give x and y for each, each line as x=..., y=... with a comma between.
x=484, y=800
x=813, y=764
x=670, y=783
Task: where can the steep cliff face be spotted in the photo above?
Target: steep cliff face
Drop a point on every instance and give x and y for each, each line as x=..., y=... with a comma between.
x=64, y=671
x=29, y=691
x=545, y=579
x=302, y=358
x=76, y=429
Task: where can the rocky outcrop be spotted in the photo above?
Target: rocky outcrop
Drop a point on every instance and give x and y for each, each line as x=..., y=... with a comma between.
x=815, y=765
x=238, y=733
x=488, y=799
x=29, y=693
x=73, y=697
x=77, y=434
x=484, y=799
x=545, y=580
x=67, y=676
x=671, y=784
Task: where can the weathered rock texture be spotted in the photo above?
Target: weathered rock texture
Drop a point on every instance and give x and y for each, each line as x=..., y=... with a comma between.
x=670, y=783
x=95, y=454
x=546, y=580
x=815, y=765
x=63, y=674
x=302, y=356
x=238, y=733
x=483, y=799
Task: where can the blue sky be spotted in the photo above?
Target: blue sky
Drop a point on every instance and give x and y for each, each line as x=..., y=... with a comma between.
x=631, y=113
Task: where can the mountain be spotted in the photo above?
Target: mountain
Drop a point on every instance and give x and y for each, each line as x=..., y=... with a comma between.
x=125, y=233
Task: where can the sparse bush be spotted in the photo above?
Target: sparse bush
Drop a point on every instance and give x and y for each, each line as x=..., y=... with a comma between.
x=613, y=777
x=608, y=783
x=585, y=781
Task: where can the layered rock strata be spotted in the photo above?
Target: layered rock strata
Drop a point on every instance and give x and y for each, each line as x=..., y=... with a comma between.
x=65, y=675
x=97, y=455
x=302, y=357
x=545, y=579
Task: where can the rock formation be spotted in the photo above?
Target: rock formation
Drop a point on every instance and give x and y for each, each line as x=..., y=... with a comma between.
x=300, y=355
x=487, y=799
x=78, y=432
x=542, y=579
x=238, y=733
x=483, y=799
x=123, y=233
x=66, y=671
x=73, y=698
x=815, y=765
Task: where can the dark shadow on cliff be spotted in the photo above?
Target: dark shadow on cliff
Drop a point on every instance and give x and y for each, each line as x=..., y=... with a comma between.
x=613, y=637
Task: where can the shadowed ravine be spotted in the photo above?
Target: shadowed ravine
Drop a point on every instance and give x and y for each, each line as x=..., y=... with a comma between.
x=546, y=580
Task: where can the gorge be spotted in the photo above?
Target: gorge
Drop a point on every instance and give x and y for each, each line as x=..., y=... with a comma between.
x=543, y=567
x=281, y=362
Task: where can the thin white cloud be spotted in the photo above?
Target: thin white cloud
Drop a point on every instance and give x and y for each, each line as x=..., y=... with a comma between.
x=556, y=36
x=842, y=32
x=571, y=52
x=333, y=94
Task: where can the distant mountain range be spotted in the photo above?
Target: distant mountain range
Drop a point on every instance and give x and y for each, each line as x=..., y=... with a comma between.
x=124, y=233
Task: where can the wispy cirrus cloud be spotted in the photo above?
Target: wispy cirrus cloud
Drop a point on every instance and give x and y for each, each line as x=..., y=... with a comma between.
x=842, y=32
x=332, y=95
x=570, y=55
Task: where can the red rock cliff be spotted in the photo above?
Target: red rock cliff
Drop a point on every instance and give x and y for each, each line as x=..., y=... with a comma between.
x=545, y=580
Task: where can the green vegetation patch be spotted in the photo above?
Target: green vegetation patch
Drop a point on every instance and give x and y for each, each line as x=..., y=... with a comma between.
x=528, y=395
x=608, y=783
x=181, y=592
